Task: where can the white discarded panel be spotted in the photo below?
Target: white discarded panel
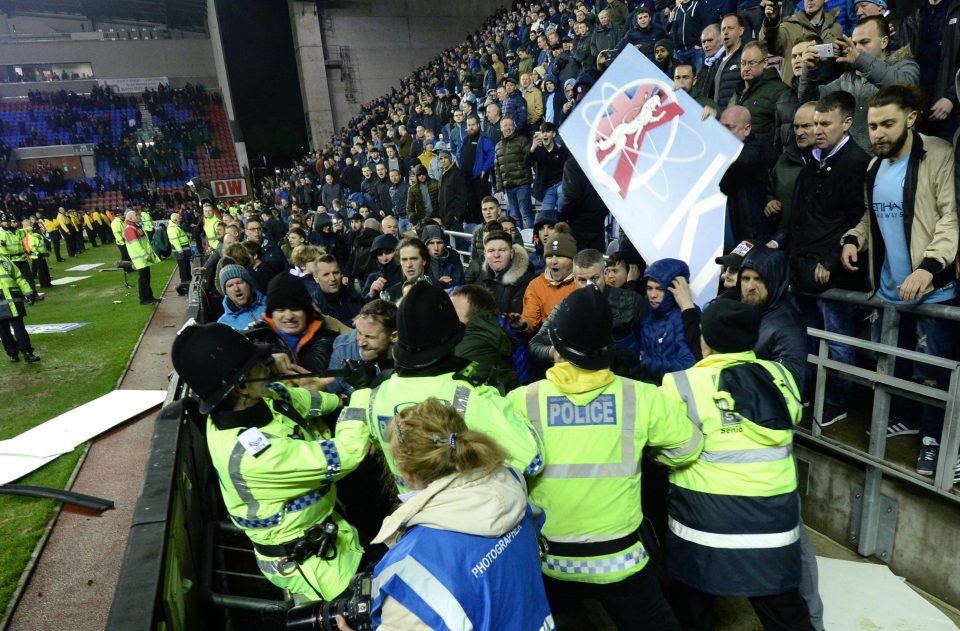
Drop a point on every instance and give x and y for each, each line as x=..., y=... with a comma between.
x=66, y=280
x=86, y=267
x=860, y=595
x=60, y=327
x=41, y=444
x=656, y=165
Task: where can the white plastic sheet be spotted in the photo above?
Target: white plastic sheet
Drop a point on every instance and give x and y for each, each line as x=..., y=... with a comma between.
x=86, y=267
x=859, y=595
x=66, y=280
x=38, y=446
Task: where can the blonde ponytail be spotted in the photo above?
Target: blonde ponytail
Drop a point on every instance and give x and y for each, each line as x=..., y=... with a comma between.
x=431, y=440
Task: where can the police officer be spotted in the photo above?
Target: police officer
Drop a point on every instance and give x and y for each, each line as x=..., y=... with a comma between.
x=595, y=426
x=275, y=460
x=180, y=244
x=428, y=331
x=13, y=246
x=38, y=252
x=14, y=291
x=734, y=515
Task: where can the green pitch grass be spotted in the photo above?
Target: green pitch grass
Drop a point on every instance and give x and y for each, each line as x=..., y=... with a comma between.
x=75, y=368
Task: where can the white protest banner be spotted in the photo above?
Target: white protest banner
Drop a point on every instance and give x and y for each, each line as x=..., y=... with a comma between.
x=137, y=84
x=656, y=165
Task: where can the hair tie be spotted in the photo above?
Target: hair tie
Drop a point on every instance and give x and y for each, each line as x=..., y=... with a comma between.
x=453, y=441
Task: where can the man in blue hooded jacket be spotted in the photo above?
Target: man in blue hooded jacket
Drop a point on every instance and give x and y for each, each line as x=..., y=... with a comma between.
x=665, y=348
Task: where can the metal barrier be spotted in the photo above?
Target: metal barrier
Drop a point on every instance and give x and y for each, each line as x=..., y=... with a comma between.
x=885, y=384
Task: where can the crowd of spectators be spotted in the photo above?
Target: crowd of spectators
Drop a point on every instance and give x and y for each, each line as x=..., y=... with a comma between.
x=133, y=164
x=796, y=84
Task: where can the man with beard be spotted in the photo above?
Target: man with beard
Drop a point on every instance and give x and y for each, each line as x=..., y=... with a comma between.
x=475, y=157
x=910, y=234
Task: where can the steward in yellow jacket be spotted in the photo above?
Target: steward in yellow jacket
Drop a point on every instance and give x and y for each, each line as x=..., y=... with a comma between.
x=734, y=514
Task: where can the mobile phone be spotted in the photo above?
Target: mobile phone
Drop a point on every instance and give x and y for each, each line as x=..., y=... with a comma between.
x=824, y=51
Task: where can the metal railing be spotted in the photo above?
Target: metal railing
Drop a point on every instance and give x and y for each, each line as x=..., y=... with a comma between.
x=885, y=385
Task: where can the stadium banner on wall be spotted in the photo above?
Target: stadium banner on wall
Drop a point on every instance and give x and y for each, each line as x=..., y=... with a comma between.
x=656, y=165
x=134, y=85
x=234, y=187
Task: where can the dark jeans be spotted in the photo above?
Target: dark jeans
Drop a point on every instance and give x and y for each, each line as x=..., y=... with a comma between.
x=143, y=285
x=183, y=266
x=71, y=243
x=931, y=337
x=834, y=317
x=477, y=189
x=55, y=238
x=27, y=273
x=782, y=612
x=13, y=335
x=41, y=271
x=634, y=604
x=752, y=22
x=123, y=253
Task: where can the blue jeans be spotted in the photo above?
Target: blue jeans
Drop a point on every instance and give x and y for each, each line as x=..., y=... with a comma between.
x=520, y=204
x=404, y=224
x=834, y=317
x=552, y=197
x=931, y=337
x=690, y=56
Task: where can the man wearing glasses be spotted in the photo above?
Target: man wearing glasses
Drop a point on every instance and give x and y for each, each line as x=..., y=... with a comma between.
x=762, y=88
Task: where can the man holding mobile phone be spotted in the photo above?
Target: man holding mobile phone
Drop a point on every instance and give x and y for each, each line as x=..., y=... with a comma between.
x=779, y=36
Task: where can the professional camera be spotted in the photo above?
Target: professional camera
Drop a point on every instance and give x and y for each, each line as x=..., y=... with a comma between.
x=323, y=616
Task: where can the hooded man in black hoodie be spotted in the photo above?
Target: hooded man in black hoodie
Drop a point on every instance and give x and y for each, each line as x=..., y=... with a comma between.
x=763, y=281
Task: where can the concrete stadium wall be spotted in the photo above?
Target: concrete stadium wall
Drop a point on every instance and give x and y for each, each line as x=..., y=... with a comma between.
x=192, y=57
x=385, y=41
x=924, y=543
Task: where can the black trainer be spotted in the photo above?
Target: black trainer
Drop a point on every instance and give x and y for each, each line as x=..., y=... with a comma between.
x=30, y=357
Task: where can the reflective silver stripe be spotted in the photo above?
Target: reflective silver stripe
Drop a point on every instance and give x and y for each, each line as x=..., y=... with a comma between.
x=628, y=454
x=370, y=417
x=316, y=404
x=603, y=565
x=734, y=542
x=426, y=586
x=686, y=393
x=686, y=448
x=351, y=414
x=747, y=456
x=533, y=407
x=460, y=398
x=239, y=484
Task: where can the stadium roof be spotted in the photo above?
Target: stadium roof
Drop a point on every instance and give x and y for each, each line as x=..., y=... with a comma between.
x=188, y=15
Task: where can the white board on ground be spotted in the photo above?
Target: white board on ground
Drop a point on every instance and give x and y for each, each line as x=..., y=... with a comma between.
x=59, y=327
x=859, y=595
x=66, y=280
x=656, y=165
x=86, y=267
x=41, y=444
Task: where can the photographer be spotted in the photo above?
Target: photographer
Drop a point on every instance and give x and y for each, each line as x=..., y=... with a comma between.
x=275, y=459
x=463, y=549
